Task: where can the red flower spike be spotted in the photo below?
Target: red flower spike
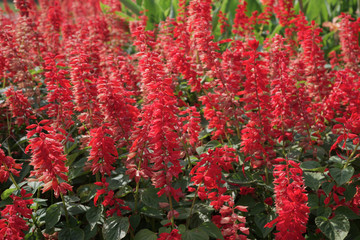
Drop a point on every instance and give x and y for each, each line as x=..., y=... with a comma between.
x=12, y=224
x=291, y=202
x=48, y=159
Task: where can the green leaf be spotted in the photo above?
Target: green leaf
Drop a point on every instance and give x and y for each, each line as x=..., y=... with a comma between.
x=68, y=233
x=104, y=8
x=90, y=233
x=194, y=234
x=347, y=212
x=350, y=191
x=145, y=234
x=211, y=229
x=87, y=192
x=124, y=16
x=150, y=198
x=115, y=228
x=316, y=10
x=336, y=228
x=134, y=221
x=52, y=216
x=324, y=211
x=327, y=187
x=93, y=215
x=313, y=179
x=132, y=6
x=152, y=212
x=77, y=209
x=309, y=165
x=261, y=220
x=7, y=193
x=342, y=176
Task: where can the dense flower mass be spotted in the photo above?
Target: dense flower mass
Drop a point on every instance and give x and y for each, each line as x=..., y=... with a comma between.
x=291, y=201
x=181, y=119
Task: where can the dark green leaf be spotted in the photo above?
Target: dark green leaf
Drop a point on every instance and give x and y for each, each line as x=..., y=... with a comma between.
x=90, y=233
x=115, y=228
x=261, y=220
x=350, y=191
x=152, y=212
x=310, y=165
x=87, y=192
x=194, y=234
x=211, y=229
x=327, y=187
x=93, y=215
x=336, y=228
x=68, y=233
x=134, y=221
x=347, y=212
x=52, y=216
x=77, y=209
x=145, y=234
x=324, y=211
x=313, y=179
x=150, y=198
x=342, y=176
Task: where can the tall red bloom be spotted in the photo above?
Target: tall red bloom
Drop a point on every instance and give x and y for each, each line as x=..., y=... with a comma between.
x=12, y=223
x=118, y=108
x=173, y=235
x=7, y=166
x=19, y=106
x=291, y=201
x=103, y=153
x=257, y=136
x=48, y=157
x=157, y=129
x=349, y=41
x=60, y=105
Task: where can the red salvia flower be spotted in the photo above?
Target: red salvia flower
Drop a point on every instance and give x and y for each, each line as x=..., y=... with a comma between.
x=110, y=200
x=60, y=105
x=291, y=201
x=173, y=235
x=159, y=123
x=48, y=158
x=12, y=223
x=232, y=224
x=103, y=153
x=8, y=166
x=257, y=136
x=207, y=175
x=349, y=41
x=19, y=106
x=118, y=108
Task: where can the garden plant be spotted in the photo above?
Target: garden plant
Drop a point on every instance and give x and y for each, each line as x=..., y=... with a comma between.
x=180, y=119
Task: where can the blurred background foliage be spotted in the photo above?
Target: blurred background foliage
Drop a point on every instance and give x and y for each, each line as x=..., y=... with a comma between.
x=323, y=12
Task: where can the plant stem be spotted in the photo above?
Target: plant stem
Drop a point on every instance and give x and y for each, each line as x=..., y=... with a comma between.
x=65, y=210
x=136, y=197
x=301, y=6
x=19, y=189
x=192, y=207
x=351, y=155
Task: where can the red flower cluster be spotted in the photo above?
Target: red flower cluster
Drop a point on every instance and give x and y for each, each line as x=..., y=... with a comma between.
x=19, y=106
x=110, y=199
x=12, y=223
x=48, y=157
x=173, y=235
x=8, y=166
x=103, y=153
x=291, y=201
x=230, y=223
